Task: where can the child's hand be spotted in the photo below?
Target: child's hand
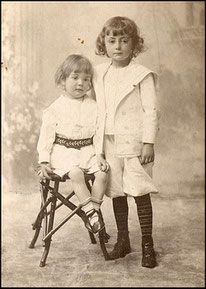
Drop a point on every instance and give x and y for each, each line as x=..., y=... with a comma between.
x=45, y=170
x=102, y=163
x=147, y=155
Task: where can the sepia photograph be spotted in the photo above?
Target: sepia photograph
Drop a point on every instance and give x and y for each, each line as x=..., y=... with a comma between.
x=103, y=144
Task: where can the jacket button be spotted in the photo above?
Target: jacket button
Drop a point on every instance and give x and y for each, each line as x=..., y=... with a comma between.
x=123, y=113
x=127, y=142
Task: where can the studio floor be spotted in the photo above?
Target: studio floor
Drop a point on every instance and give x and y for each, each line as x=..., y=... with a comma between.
x=74, y=262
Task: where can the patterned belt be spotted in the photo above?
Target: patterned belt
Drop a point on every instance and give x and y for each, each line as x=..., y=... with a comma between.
x=73, y=143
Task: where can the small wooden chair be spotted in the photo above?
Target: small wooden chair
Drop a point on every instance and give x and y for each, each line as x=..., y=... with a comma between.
x=50, y=195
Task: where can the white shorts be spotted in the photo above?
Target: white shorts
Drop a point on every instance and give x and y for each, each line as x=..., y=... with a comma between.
x=63, y=159
x=127, y=176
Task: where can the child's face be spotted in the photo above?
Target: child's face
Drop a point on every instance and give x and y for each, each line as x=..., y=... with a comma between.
x=119, y=48
x=77, y=84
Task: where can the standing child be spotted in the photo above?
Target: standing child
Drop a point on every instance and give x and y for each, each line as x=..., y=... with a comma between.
x=128, y=124
x=66, y=138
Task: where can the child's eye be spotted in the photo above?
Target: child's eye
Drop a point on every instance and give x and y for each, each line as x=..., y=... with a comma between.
x=75, y=77
x=125, y=40
x=111, y=41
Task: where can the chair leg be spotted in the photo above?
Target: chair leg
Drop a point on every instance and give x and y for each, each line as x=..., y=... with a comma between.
x=106, y=236
x=47, y=242
x=103, y=238
x=44, y=226
x=37, y=229
x=33, y=241
x=38, y=222
x=102, y=245
x=92, y=238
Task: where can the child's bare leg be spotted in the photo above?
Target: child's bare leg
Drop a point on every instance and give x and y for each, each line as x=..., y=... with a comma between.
x=99, y=188
x=83, y=194
x=78, y=181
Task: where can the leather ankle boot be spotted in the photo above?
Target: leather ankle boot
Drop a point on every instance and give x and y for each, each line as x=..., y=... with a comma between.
x=122, y=247
x=148, y=253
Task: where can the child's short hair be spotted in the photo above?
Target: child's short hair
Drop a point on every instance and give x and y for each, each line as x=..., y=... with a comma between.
x=73, y=62
x=120, y=26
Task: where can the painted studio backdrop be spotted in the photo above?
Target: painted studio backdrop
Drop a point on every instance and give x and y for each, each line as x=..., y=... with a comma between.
x=37, y=36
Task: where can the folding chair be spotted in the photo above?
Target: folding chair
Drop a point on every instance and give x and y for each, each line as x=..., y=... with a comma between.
x=50, y=196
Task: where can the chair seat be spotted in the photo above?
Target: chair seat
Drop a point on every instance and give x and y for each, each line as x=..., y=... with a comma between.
x=56, y=177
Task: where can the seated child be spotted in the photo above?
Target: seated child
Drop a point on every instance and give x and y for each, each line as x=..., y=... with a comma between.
x=66, y=144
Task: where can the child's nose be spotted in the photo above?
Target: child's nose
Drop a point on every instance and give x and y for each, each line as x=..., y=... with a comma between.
x=118, y=45
x=80, y=81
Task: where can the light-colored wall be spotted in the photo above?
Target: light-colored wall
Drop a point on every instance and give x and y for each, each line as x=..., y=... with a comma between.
x=44, y=33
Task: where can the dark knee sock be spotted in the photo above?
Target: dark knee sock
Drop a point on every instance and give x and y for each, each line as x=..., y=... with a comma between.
x=144, y=211
x=120, y=208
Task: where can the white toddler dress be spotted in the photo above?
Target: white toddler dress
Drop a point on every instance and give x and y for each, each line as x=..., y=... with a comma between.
x=72, y=119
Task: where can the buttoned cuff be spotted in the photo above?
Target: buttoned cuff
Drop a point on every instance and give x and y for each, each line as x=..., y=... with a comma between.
x=149, y=138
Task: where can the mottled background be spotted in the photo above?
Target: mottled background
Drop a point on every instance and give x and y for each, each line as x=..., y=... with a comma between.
x=36, y=38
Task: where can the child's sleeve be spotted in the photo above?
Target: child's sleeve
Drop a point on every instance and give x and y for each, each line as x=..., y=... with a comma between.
x=97, y=136
x=151, y=111
x=47, y=136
